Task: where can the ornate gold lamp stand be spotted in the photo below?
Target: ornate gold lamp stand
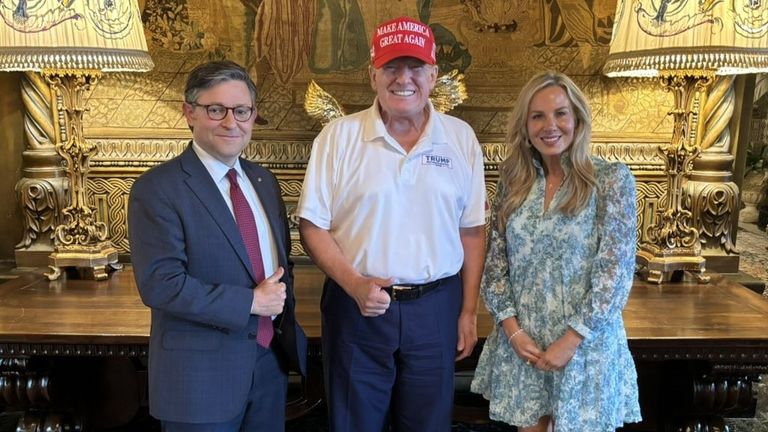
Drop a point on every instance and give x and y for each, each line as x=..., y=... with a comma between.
x=674, y=243
x=71, y=44
x=687, y=45
x=80, y=240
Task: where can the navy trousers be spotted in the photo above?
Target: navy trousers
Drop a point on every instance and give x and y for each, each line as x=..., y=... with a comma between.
x=264, y=410
x=392, y=370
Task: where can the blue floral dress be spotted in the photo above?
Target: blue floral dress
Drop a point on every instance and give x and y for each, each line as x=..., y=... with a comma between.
x=553, y=271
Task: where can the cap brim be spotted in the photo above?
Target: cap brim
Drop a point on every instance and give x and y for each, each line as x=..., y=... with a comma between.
x=387, y=57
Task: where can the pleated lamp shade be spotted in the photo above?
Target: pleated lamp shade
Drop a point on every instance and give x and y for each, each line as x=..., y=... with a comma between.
x=104, y=35
x=650, y=37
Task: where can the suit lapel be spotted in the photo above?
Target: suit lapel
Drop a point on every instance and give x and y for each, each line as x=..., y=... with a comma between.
x=203, y=186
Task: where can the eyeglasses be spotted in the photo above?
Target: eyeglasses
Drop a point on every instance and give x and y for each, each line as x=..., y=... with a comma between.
x=219, y=112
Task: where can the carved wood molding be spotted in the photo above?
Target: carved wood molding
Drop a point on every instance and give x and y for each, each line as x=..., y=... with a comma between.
x=729, y=354
x=638, y=157
x=80, y=350
x=120, y=159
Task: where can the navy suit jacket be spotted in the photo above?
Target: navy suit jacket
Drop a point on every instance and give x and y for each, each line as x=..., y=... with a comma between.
x=192, y=269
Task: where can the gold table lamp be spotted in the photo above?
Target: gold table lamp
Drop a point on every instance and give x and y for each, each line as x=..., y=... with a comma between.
x=686, y=44
x=71, y=43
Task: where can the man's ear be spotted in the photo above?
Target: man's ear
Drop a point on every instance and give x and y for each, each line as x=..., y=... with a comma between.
x=372, y=76
x=435, y=74
x=187, y=109
x=189, y=112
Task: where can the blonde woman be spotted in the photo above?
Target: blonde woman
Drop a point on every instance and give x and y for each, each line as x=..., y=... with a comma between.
x=558, y=273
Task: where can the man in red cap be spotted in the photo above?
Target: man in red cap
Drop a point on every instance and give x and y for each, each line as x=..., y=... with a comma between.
x=392, y=210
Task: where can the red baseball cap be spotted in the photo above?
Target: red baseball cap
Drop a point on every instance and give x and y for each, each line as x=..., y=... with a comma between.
x=402, y=37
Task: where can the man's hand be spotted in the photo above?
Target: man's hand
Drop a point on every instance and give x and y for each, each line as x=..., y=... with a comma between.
x=269, y=295
x=370, y=298
x=560, y=352
x=467, y=335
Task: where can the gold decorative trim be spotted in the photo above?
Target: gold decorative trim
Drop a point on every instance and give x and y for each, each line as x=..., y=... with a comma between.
x=29, y=58
x=290, y=189
x=120, y=160
x=494, y=152
x=111, y=198
x=287, y=154
x=649, y=62
x=639, y=157
x=650, y=196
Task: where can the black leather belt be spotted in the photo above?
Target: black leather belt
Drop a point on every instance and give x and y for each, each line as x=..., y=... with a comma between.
x=405, y=292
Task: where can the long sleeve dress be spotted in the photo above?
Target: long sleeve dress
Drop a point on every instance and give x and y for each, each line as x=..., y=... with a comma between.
x=552, y=271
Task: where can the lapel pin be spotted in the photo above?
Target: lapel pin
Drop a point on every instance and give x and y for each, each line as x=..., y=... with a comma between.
x=258, y=179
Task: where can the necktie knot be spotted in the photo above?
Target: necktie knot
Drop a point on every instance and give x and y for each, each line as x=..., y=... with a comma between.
x=232, y=176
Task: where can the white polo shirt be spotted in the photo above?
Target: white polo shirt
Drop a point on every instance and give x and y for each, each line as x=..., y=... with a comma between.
x=396, y=214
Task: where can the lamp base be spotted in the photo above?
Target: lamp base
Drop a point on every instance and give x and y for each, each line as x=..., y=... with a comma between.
x=659, y=265
x=91, y=261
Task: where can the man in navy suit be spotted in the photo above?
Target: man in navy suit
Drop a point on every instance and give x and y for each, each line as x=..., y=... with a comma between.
x=209, y=244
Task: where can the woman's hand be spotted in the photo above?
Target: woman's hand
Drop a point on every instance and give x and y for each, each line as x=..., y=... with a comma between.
x=560, y=352
x=521, y=343
x=526, y=348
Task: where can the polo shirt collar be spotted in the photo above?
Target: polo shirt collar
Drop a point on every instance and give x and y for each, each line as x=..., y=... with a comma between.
x=373, y=126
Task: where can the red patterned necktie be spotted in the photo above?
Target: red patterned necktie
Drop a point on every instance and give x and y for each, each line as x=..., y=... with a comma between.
x=247, y=225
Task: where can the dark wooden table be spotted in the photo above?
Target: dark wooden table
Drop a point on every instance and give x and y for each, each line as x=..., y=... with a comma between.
x=698, y=347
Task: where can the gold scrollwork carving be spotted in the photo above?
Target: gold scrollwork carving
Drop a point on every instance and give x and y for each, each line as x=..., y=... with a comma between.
x=297, y=250
x=272, y=151
x=40, y=203
x=712, y=205
x=634, y=155
x=291, y=189
x=136, y=152
x=287, y=157
x=494, y=152
x=293, y=219
x=112, y=193
x=78, y=225
x=650, y=196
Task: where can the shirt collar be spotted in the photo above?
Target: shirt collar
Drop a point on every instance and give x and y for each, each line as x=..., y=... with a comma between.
x=373, y=125
x=565, y=162
x=216, y=168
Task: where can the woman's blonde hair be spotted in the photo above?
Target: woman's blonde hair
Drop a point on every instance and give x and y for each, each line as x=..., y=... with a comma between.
x=518, y=173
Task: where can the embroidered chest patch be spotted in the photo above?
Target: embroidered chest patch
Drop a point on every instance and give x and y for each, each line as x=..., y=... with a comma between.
x=437, y=160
